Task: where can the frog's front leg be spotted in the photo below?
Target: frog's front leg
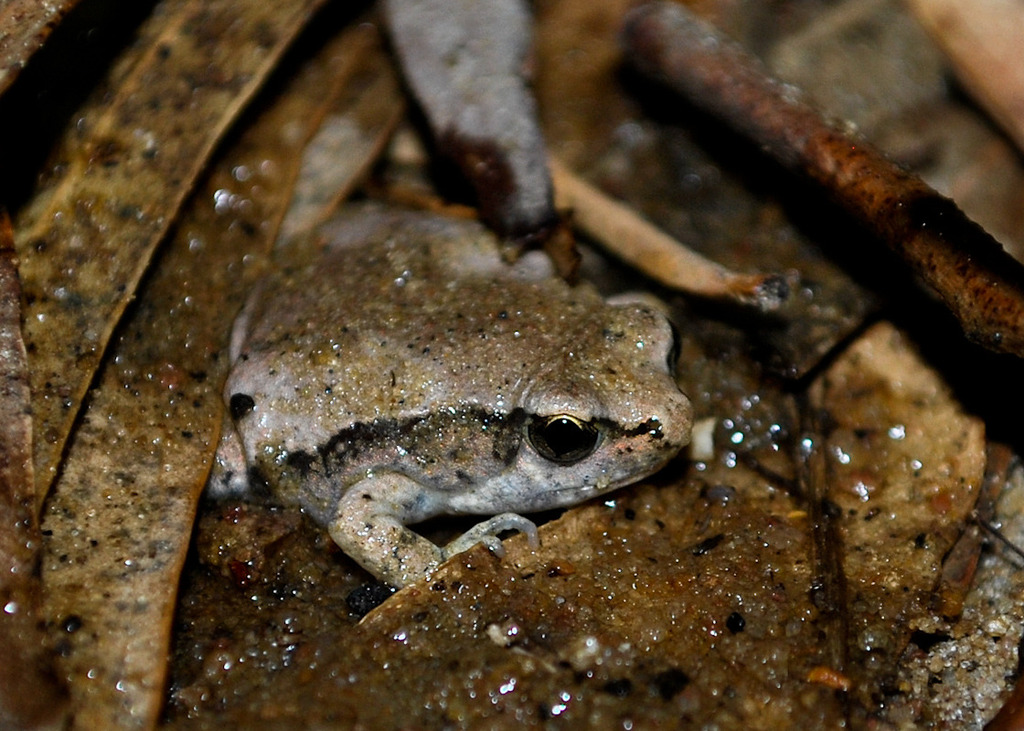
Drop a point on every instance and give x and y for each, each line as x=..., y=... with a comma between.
x=370, y=526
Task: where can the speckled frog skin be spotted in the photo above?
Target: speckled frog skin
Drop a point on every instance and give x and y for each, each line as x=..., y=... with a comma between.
x=408, y=372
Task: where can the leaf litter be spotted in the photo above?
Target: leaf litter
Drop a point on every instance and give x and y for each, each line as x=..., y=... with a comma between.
x=118, y=521
x=755, y=585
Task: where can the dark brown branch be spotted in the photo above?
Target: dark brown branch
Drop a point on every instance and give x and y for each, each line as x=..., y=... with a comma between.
x=977, y=280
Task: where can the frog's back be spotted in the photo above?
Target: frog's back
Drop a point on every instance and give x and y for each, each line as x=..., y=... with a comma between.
x=401, y=312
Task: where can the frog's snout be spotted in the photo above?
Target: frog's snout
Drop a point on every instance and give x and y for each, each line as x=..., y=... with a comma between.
x=679, y=422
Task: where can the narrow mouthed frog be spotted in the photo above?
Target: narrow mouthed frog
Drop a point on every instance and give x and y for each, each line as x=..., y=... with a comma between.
x=407, y=371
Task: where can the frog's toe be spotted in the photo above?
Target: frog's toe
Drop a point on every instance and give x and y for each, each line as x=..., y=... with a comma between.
x=493, y=544
x=487, y=533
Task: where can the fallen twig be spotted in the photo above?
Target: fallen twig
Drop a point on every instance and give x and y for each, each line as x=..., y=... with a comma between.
x=643, y=246
x=978, y=281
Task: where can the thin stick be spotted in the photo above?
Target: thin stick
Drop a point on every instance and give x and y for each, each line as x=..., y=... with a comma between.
x=646, y=248
x=998, y=534
x=977, y=280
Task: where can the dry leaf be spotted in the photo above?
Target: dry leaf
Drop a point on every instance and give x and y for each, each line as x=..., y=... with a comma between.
x=121, y=173
x=119, y=519
x=982, y=41
x=30, y=696
x=467, y=62
x=902, y=469
x=24, y=27
x=349, y=139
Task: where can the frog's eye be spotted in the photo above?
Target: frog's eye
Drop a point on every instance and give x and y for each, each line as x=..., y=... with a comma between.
x=562, y=438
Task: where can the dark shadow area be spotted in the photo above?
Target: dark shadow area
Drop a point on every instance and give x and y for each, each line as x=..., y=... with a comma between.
x=54, y=83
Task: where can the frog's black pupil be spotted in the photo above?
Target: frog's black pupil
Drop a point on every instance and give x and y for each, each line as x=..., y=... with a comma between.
x=240, y=405
x=563, y=439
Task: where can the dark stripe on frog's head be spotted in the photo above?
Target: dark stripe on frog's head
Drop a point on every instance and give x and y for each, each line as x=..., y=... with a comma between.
x=651, y=427
x=258, y=485
x=506, y=432
x=350, y=445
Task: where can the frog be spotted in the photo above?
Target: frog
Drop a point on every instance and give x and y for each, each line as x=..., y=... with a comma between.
x=397, y=368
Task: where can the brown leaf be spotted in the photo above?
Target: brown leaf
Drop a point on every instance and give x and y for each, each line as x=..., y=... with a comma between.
x=27, y=24
x=983, y=44
x=351, y=137
x=30, y=696
x=122, y=171
x=652, y=607
x=903, y=467
x=119, y=518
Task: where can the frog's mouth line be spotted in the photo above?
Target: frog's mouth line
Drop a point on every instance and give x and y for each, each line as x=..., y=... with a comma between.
x=588, y=490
